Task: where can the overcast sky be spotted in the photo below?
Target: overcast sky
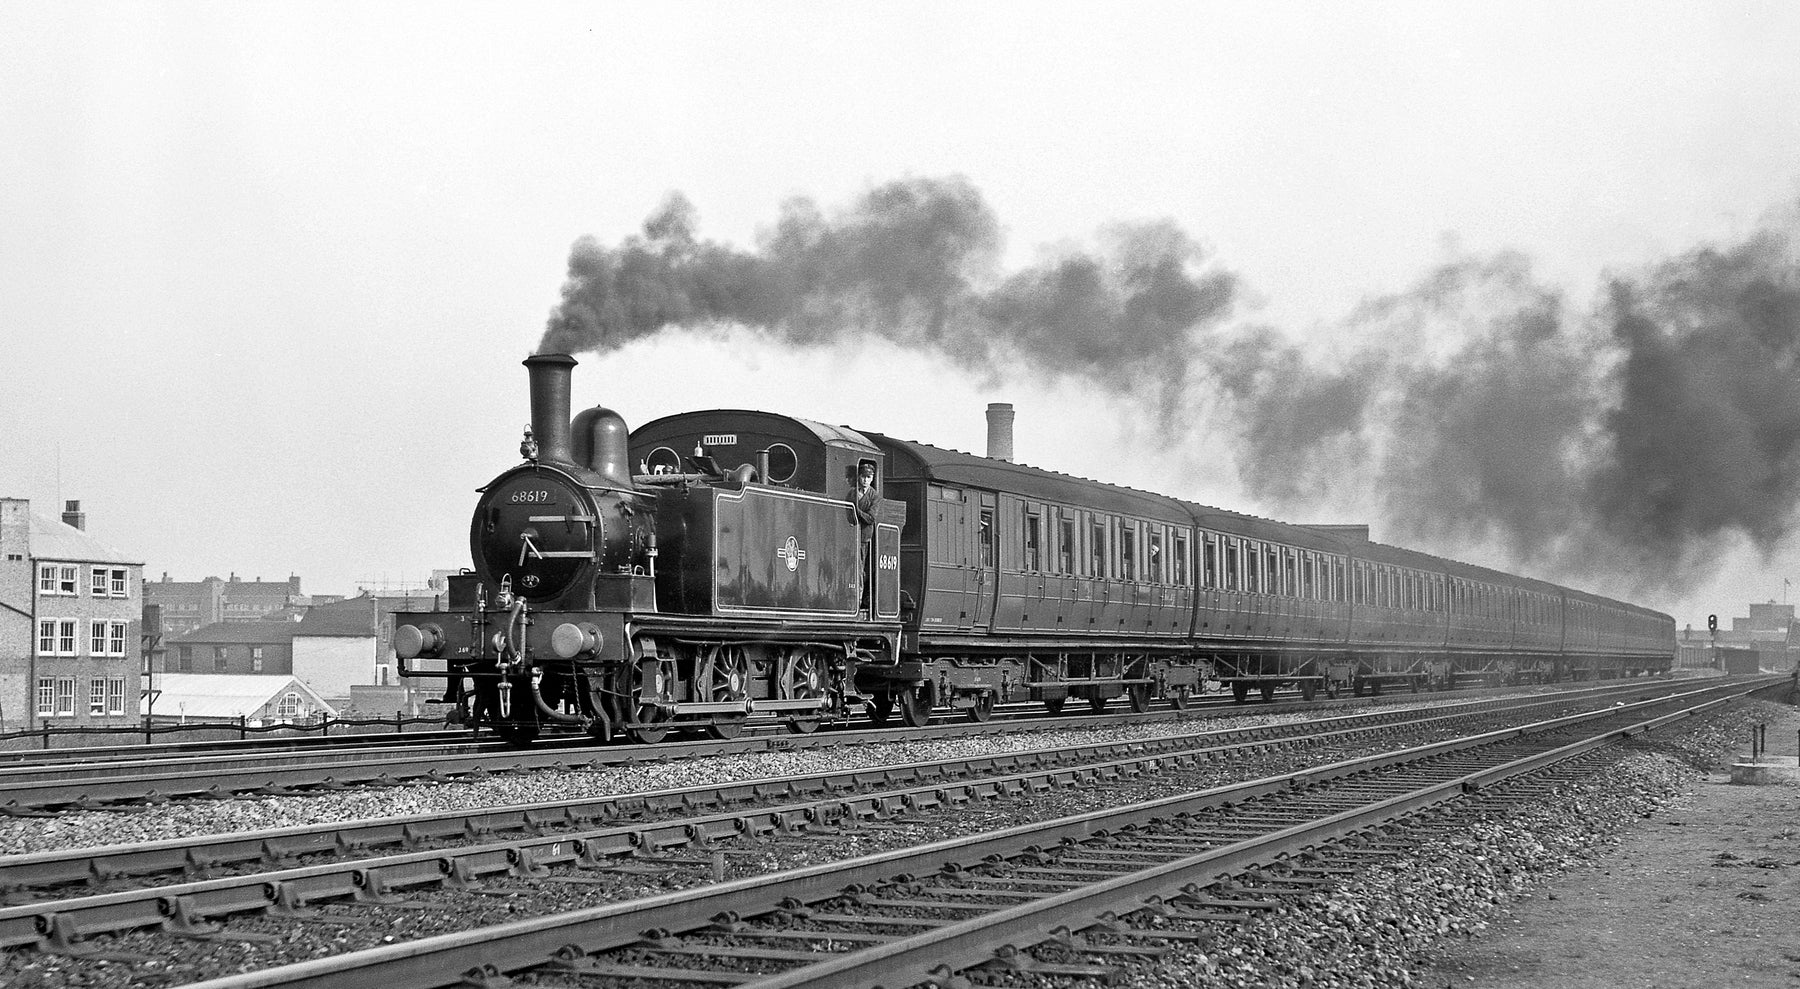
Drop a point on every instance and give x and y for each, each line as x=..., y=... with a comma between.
x=267, y=270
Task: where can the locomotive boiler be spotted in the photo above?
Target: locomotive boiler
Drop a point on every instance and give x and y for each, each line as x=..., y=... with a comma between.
x=726, y=581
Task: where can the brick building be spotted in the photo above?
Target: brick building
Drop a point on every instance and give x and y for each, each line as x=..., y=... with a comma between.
x=262, y=647
x=349, y=644
x=1769, y=633
x=191, y=604
x=70, y=623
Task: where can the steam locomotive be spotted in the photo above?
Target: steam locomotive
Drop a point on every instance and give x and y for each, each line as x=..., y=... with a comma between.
x=712, y=567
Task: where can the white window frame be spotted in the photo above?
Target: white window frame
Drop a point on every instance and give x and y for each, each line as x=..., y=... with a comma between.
x=115, y=695
x=289, y=705
x=46, y=696
x=97, y=697
x=46, y=579
x=65, y=637
x=97, y=639
x=69, y=580
x=65, y=697
x=97, y=582
x=115, y=638
x=120, y=586
x=46, y=637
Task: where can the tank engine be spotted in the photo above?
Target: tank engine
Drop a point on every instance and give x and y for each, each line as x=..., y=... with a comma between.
x=693, y=596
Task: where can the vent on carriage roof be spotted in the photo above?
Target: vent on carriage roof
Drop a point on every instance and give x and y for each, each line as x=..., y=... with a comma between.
x=1000, y=431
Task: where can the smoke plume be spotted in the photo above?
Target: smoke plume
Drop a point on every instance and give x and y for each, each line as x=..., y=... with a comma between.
x=1478, y=414
x=914, y=262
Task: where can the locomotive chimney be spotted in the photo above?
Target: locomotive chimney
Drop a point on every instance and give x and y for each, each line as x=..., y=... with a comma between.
x=1000, y=422
x=550, y=376
x=603, y=444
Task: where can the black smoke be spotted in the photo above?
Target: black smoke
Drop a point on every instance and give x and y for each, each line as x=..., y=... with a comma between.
x=1480, y=413
x=914, y=262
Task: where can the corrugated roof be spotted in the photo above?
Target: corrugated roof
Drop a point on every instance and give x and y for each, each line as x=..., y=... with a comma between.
x=53, y=539
x=226, y=695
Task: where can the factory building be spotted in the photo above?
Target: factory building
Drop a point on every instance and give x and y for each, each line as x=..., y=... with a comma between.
x=1767, y=638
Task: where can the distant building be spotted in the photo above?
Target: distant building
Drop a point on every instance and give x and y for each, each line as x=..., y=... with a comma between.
x=1768, y=633
x=187, y=698
x=260, y=648
x=71, y=612
x=188, y=605
x=348, y=644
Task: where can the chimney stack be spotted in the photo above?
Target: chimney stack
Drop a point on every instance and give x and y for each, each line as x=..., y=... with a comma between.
x=73, y=515
x=1000, y=423
x=550, y=381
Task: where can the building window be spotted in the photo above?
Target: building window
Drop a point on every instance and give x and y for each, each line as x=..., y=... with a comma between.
x=256, y=663
x=65, y=638
x=219, y=664
x=120, y=589
x=289, y=706
x=97, y=639
x=46, y=638
x=46, y=695
x=46, y=578
x=65, y=580
x=65, y=696
x=115, y=695
x=184, y=658
x=97, y=582
x=97, y=696
x=115, y=639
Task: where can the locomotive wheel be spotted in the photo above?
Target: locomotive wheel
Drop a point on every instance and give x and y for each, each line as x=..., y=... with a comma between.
x=647, y=722
x=803, y=676
x=1139, y=695
x=983, y=708
x=1182, y=698
x=1268, y=692
x=518, y=724
x=881, y=708
x=915, y=706
x=728, y=679
x=1240, y=691
x=1055, y=704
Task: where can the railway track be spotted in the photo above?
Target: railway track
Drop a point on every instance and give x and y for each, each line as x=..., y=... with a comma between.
x=1066, y=897
x=30, y=789
x=559, y=846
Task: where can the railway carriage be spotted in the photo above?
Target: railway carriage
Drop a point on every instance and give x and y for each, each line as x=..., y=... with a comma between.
x=715, y=566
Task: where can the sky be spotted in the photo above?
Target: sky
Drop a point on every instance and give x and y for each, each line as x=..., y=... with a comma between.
x=1461, y=271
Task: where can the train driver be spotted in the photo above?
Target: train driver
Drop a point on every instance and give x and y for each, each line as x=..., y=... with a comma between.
x=867, y=501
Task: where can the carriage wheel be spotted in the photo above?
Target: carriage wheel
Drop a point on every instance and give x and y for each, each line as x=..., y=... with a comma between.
x=881, y=708
x=983, y=708
x=1240, y=691
x=1139, y=695
x=803, y=677
x=1097, y=704
x=1182, y=697
x=728, y=679
x=1268, y=691
x=1308, y=688
x=915, y=705
x=1055, y=704
x=646, y=722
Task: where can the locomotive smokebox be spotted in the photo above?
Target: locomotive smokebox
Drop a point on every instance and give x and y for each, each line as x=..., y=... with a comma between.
x=550, y=377
x=1000, y=430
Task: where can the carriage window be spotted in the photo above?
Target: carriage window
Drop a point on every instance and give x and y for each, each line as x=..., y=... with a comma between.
x=1097, y=547
x=986, y=537
x=1034, y=541
x=1252, y=567
x=1231, y=564
x=1065, y=547
x=1209, y=562
x=1128, y=551
x=1155, y=571
x=1291, y=581
x=1181, y=560
x=1272, y=570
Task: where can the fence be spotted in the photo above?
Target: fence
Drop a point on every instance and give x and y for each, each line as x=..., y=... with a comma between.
x=53, y=737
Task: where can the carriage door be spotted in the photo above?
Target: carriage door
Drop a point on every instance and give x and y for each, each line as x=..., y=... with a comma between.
x=987, y=559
